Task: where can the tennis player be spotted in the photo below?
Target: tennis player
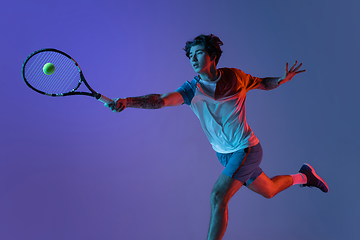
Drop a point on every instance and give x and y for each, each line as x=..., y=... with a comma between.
x=217, y=97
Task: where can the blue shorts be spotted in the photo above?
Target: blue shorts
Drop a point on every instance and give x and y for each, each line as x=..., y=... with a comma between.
x=242, y=165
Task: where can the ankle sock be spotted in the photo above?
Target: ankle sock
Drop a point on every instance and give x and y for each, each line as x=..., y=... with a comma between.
x=299, y=178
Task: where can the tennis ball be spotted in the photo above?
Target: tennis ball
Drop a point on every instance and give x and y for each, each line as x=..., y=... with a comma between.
x=49, y=68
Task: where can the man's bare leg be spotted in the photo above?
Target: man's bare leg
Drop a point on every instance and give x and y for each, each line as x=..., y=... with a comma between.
x=270, y=187
x=224, y=188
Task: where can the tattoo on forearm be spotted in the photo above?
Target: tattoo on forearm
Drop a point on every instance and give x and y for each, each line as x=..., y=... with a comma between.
x=270, y=83
x=151, y=101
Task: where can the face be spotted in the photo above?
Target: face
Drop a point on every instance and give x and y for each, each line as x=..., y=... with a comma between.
x=200, y=60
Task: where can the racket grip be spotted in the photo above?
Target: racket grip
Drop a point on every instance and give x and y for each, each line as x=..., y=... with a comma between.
x=104, y=99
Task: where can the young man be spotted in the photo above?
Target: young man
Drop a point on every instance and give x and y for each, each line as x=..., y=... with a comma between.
x=217, y=97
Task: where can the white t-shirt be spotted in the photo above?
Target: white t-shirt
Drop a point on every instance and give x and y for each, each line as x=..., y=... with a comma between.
x=220, y=107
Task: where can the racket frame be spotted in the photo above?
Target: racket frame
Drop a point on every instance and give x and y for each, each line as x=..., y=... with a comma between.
x=92, y=92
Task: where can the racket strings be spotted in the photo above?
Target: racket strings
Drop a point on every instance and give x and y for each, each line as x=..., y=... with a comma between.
x=66, y=77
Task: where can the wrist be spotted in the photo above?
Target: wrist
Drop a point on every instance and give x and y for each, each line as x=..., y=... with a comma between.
x=281, y=80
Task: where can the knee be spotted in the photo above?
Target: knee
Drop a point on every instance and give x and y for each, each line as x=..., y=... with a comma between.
x=218, y=199
x=269, y=194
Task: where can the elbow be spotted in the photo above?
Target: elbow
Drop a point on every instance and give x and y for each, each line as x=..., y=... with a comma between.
x=161, y=102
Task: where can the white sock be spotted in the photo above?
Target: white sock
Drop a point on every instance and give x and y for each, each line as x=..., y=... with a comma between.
x=299, y=178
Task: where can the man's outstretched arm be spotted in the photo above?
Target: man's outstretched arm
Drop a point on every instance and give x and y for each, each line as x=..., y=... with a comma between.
x=270, y=83
x=150, y=101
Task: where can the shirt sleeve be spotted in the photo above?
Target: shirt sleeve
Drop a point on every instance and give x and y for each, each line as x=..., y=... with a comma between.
x=248, y=81
x=187, y=90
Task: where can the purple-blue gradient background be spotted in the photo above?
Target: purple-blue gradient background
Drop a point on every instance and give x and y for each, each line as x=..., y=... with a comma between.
x=72, y=169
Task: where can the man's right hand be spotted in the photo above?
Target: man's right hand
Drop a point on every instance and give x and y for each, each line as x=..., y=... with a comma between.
x=118, y=104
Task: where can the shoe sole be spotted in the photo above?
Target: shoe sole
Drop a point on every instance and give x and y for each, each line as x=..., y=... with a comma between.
x=317, y=176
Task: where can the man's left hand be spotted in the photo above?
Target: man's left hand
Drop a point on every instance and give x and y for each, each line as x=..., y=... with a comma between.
x=289, y=74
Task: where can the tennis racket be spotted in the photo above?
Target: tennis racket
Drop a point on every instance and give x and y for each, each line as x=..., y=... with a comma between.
x=64, y=81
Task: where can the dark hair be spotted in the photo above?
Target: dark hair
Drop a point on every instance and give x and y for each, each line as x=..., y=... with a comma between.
x=210, y=42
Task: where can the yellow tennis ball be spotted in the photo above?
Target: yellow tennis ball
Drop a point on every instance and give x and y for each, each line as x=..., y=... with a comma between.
x=49, y=68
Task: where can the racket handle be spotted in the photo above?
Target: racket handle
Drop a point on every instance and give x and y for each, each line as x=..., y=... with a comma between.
x=104, y=99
